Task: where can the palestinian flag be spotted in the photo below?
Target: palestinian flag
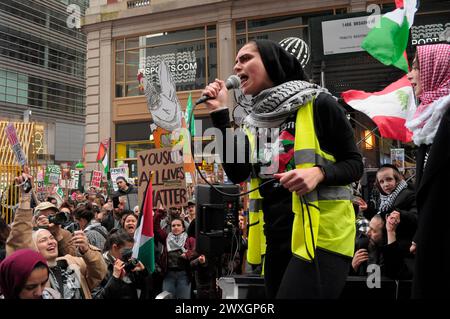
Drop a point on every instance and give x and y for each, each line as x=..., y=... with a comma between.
x=387, y=41
x=389, y=108
x=102, y=155
x=144, y=240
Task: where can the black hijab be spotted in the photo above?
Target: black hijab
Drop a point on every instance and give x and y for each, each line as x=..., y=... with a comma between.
x=281, y=66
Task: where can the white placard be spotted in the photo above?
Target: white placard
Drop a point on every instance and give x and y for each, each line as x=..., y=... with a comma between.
x=346, y=35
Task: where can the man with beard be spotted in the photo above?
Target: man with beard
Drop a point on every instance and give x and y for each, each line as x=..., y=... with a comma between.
x=380, y=247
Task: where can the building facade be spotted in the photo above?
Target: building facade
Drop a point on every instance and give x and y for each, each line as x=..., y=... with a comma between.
x=42, y=73
x=199, y=39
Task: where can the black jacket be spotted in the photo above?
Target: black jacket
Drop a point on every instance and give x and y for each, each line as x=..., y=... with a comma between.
x=335, y=136
x=114, y=288
x=131, y=194
x=431, y=278
x=405, y=204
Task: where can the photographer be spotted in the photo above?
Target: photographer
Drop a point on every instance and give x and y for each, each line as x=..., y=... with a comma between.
x=127, y=278
x=45, y=211
x=381, y=247
x=73, y=277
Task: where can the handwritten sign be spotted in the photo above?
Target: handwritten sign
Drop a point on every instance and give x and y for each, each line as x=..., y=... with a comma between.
x=52, y=174
x=96, y=179
x=11, y=134
x=168, y=180
x=75, y=177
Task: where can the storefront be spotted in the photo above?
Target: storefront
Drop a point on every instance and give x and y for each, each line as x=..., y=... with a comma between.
x=199, y=41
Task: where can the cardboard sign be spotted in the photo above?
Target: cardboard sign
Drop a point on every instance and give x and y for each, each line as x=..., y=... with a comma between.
x=116, y=172
x=75, y=177
x=169, y=180
x=52, y=174
x=11, y=134
x=96, y=179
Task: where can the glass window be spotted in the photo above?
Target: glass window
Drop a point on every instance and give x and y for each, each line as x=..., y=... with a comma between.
x=278, y=28
x=132, y=58
x=136, y=131
x=119, y=89
x=12, y=91
x=132, y=89
x=132, y=43
x=130, y=149
x=22, y=100
x=240, y=26
x=190, y=63
x=120, y=44
x=11, y=98
x=186, y=61
x=211, y=30
x=11, y=76
x=174, y=36
x=22, y=93
x=212, y=60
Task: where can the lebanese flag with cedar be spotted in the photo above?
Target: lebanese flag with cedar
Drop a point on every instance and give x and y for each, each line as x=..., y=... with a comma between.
x=388, y=108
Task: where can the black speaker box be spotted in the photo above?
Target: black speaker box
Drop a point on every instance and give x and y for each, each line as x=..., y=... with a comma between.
x=216, y=218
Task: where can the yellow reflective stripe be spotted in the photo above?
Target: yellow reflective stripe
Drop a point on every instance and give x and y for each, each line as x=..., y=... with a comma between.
x=306, y=156
x=323, y=192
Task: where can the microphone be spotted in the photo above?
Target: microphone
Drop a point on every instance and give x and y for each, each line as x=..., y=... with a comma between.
x=233, y=82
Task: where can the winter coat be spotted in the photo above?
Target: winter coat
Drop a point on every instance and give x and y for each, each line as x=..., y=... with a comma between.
x=431, y=278
x=90, y=268
x=123, y=288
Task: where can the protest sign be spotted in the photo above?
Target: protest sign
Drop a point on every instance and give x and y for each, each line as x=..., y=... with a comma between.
x=96, y=179
x=52, y=174
x=398, y=158
x=116, y=172
x=11, y=134
x=165, y=167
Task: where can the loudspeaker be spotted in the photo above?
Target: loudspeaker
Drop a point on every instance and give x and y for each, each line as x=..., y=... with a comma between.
x=217, y=218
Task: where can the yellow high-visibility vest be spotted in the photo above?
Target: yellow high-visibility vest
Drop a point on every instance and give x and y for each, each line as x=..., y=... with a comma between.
x=324, y=217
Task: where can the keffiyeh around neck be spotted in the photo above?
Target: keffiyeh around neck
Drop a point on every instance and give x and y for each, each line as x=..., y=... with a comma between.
x=387, y=201
x=176, y=242
x=273, y=106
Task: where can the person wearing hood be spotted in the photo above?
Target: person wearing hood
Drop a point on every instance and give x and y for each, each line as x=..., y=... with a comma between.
x=128, y=191
x=72, y=276
x=24, y=275
x=301, y=156
x=430, y=125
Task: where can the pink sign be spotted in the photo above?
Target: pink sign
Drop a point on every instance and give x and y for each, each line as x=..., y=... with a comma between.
x=96, y=179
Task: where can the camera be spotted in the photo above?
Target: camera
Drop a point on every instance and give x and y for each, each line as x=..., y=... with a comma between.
x=362, y=242
x=27, y=186
x=59, y=218
x=130, y=262
x=130, y=265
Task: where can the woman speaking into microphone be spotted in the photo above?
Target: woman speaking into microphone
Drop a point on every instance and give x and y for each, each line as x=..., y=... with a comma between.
x=301, y=173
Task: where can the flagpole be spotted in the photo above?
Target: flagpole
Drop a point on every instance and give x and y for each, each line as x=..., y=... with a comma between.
x=109, y=158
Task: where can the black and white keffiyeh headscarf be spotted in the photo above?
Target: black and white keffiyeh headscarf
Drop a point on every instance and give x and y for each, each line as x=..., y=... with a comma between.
x=176, y=242
x=387, y=201
x=71, y=282
x=273, y=106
